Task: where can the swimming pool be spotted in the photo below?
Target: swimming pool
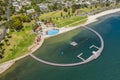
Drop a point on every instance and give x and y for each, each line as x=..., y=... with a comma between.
x=53, y=32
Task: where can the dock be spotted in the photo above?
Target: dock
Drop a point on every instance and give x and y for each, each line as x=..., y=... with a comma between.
x=79, y=56
x=73, y=44
x=93, y=46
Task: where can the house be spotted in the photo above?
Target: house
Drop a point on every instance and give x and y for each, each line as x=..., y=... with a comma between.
x=43, y=7
x=30, y=11
x=59, y=1
x=88, y=2
x=67, y=4
x=17, y=6
x=37, y=29
x=25, y=3
x=15, y=3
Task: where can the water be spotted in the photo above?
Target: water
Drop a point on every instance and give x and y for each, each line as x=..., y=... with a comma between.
x=53, y=32
x=106, y=67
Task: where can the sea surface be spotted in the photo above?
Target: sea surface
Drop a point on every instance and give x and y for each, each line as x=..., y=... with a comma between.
x=58, y=50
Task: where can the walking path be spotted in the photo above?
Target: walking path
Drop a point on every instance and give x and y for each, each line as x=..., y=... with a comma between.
x=92, y=57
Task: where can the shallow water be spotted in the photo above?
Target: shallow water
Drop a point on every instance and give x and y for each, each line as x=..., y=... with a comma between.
x=106, y=67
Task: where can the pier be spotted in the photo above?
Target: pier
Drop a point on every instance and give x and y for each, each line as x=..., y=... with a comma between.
x=79, y=56
x=73, y=44
x=93, y=46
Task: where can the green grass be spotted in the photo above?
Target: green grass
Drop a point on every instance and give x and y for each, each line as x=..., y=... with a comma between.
x=1, y=30
x=19, y=43
x=72, y=21
x=63, y=22
x=87, y=10
x=52, y=14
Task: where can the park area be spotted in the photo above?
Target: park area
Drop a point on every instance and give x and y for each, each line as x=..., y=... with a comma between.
x=63, y=19
x=68, y=19
x=17, y=43
x=69, y=22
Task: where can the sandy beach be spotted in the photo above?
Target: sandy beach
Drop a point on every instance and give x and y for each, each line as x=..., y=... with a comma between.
x=4, y=66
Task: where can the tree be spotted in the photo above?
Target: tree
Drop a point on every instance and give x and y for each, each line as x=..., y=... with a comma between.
x=0, y=18
x=4, y=18
x=12, y=9
x=61, y=14
x=22, y=11
x=36, y=7
x=73, y=8
x=24, y=18
x=65, y=9
x=117, y=1
x=69, y=12
x=15, y=24
x=9, y=24
x=50, y=19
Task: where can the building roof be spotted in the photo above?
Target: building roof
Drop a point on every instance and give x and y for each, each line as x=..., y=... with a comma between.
x=30, y=11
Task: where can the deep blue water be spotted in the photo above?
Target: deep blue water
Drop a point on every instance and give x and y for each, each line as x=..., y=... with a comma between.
x=106, y=67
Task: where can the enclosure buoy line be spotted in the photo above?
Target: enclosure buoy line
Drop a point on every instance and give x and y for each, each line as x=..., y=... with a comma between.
x=95, y=55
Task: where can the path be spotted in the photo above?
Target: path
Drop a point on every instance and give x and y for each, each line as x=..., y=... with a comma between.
x=92, y=57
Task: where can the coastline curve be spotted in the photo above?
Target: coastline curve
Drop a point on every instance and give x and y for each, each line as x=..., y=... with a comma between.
x=92, y=57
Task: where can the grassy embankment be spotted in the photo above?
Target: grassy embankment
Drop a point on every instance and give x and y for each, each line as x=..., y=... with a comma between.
x=19, y=43
x=72, y=20
x=63, y=21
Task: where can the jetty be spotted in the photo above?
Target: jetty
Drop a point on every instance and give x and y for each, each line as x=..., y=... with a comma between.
x=73, y=43
x=79, y=56
x=93, y=46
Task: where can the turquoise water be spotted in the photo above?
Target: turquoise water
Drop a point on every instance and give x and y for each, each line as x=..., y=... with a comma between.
x=53, y=32
x=106, y=67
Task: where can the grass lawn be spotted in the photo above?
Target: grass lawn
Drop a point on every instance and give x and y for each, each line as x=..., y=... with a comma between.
x=68, y=22
x=63, y=22
x=87, y=10
x=19, y=43
x=52, y=14
x=1, y=30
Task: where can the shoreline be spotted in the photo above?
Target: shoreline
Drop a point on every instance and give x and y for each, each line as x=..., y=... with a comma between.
x=90, y=20
x=6, y=65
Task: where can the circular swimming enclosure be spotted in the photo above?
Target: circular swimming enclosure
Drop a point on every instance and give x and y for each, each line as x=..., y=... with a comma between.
x=92, y=57
x=53, y=32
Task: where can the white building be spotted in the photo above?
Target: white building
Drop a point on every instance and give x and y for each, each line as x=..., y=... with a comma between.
x=15, y=3
x=17, y=6
x=30, y=11
x=25, y=3
x=43, y=7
